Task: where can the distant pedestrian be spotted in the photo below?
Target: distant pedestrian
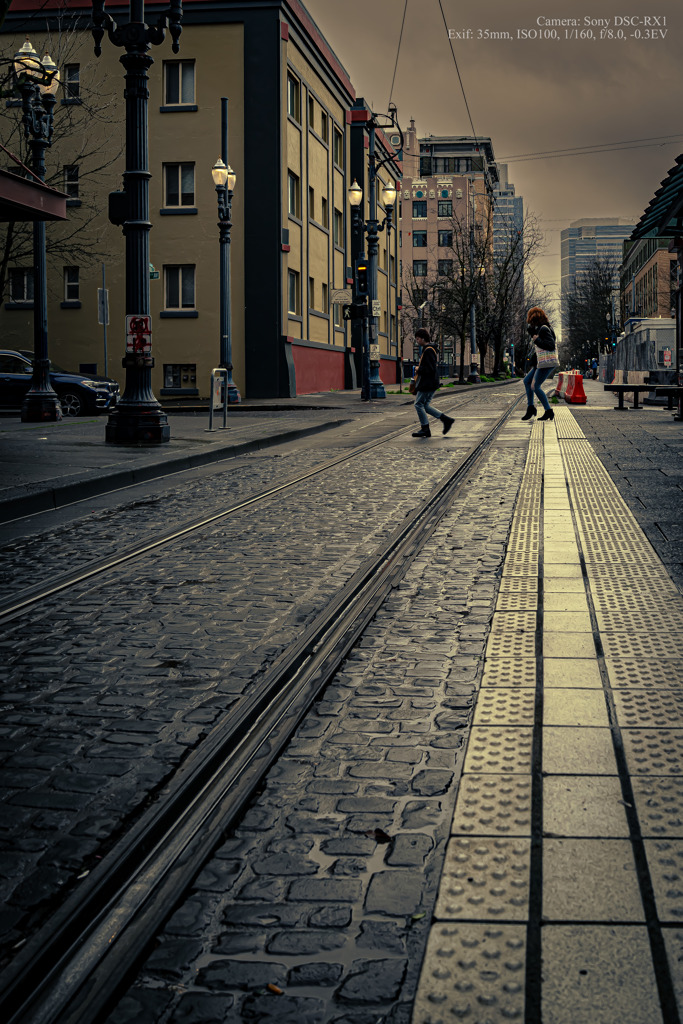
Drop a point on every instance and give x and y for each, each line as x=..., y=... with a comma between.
x=544, y=362
x=426, y=383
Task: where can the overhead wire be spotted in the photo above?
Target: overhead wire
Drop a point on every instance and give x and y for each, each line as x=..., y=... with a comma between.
x=398, y=51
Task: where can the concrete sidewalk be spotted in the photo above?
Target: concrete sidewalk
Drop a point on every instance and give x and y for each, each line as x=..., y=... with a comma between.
x=560, y=898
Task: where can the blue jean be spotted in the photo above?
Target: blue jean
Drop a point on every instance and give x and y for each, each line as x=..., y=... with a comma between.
x=422, y=407
x=538, y=379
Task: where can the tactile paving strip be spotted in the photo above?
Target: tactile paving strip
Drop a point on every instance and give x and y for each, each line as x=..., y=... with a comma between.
x=493, y=805
x=638, y=596
x=653, y=751
x=626, y=673
x=649, y=708
x=640, y=645
x=665, y=860
x=485, y=879
x=473, y=973
x=659, y=803
x=524, y=601
x=492, y=749
x=505, y=707
x=511, y=645
x=506, y=673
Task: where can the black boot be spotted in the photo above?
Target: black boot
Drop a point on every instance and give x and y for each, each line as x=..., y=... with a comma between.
x=547, y=415
x=423, y=432
x=447, y=423
x=530, y=411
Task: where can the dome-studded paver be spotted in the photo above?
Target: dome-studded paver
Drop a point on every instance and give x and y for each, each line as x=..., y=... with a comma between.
x=473, y=973
x=629, y=674
x=506, y=673
x=654, y=751
x=665, y=859
x=493, y=805
x=643, y=708
x=505, y=707
x=484, y=879
x=497, y=750
x=659, y=805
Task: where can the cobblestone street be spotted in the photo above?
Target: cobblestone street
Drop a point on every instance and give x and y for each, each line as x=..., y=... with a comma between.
x=489, y=773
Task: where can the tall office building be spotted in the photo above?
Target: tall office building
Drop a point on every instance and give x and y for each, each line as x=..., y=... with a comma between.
x=586, y=239
x=508, y=211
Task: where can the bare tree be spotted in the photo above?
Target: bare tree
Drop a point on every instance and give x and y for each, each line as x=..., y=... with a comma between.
x=585, y=309
x=90, y=113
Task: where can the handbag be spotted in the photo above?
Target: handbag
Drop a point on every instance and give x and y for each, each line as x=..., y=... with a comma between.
x=546, y=360
x=411, y=387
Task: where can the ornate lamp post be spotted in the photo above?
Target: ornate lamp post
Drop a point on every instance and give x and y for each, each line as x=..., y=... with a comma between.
x=372, y=382
x=138, y=418
x=224, y=179
x=37, y=82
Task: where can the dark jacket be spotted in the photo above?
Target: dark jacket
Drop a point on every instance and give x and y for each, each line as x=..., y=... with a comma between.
x=545, y=340
x=427, y=374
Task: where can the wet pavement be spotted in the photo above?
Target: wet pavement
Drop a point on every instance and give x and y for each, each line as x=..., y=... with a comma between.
x=493, y=776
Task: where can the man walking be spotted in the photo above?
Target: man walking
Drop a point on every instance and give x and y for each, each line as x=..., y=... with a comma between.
x=426, y=383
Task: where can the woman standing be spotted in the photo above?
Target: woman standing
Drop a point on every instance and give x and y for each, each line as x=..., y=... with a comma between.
x=544, y=362
x=426, y=383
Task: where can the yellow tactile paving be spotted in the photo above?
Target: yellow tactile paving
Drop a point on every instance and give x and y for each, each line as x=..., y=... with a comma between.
x=605, y=599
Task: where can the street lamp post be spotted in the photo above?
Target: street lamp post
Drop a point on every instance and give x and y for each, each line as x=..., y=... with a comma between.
x=37, y=82
x=224, y=179
x=138, y=417
x=473, y=376
x=372, y=382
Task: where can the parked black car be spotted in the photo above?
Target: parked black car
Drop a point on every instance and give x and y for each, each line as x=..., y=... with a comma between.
x=88, y=376
x=79, y=395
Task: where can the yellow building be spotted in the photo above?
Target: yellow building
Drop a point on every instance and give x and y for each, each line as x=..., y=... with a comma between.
x=290, y=142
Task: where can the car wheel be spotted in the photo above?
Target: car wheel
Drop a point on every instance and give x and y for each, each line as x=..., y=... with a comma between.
x=71, y=404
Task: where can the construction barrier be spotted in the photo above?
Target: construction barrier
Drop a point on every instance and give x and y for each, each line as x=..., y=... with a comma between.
x=558, y=387
x=574, y=392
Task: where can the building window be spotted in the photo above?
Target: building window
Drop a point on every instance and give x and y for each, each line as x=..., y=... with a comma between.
x=293, y=293
x=446, y=238
x=72, y=285
x=294, y=98
x=180, y=286
x=325, y=300
x=294, y=192
x=393, y=328
x=178, y=184
x=420, y=268
x=72, y=81
x=324, y=126
x=445, y=267
x=311, y=113
x=419, y=207
x=178, y=82
x=71, y=180
x=392, y=268
x=180, y=375
x=425, y=166
x=311, y=293
x=324, y=220
x=20, y=285
x=419, y=239
x=337, y=318
x=338, y=147
x=445, y=208
x=311, y=202
x=338, y=228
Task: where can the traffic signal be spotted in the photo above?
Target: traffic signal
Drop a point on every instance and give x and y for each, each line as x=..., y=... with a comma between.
x=361, y=278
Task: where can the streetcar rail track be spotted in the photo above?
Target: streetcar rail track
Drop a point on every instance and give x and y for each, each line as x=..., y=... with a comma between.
x=30, y=596
x=69, y=972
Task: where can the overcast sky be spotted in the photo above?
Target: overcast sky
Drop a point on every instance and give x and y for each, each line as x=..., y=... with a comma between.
x=530, y=95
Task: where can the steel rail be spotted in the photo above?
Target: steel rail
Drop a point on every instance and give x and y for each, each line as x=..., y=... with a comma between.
x=70, y=971
x=10, y=608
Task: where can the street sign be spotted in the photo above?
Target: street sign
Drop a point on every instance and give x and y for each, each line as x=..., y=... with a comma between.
x=103, y=306
x=344, y=295
x=139, y=335
x=153, y=273
x=376, y=307
x=374, y=351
